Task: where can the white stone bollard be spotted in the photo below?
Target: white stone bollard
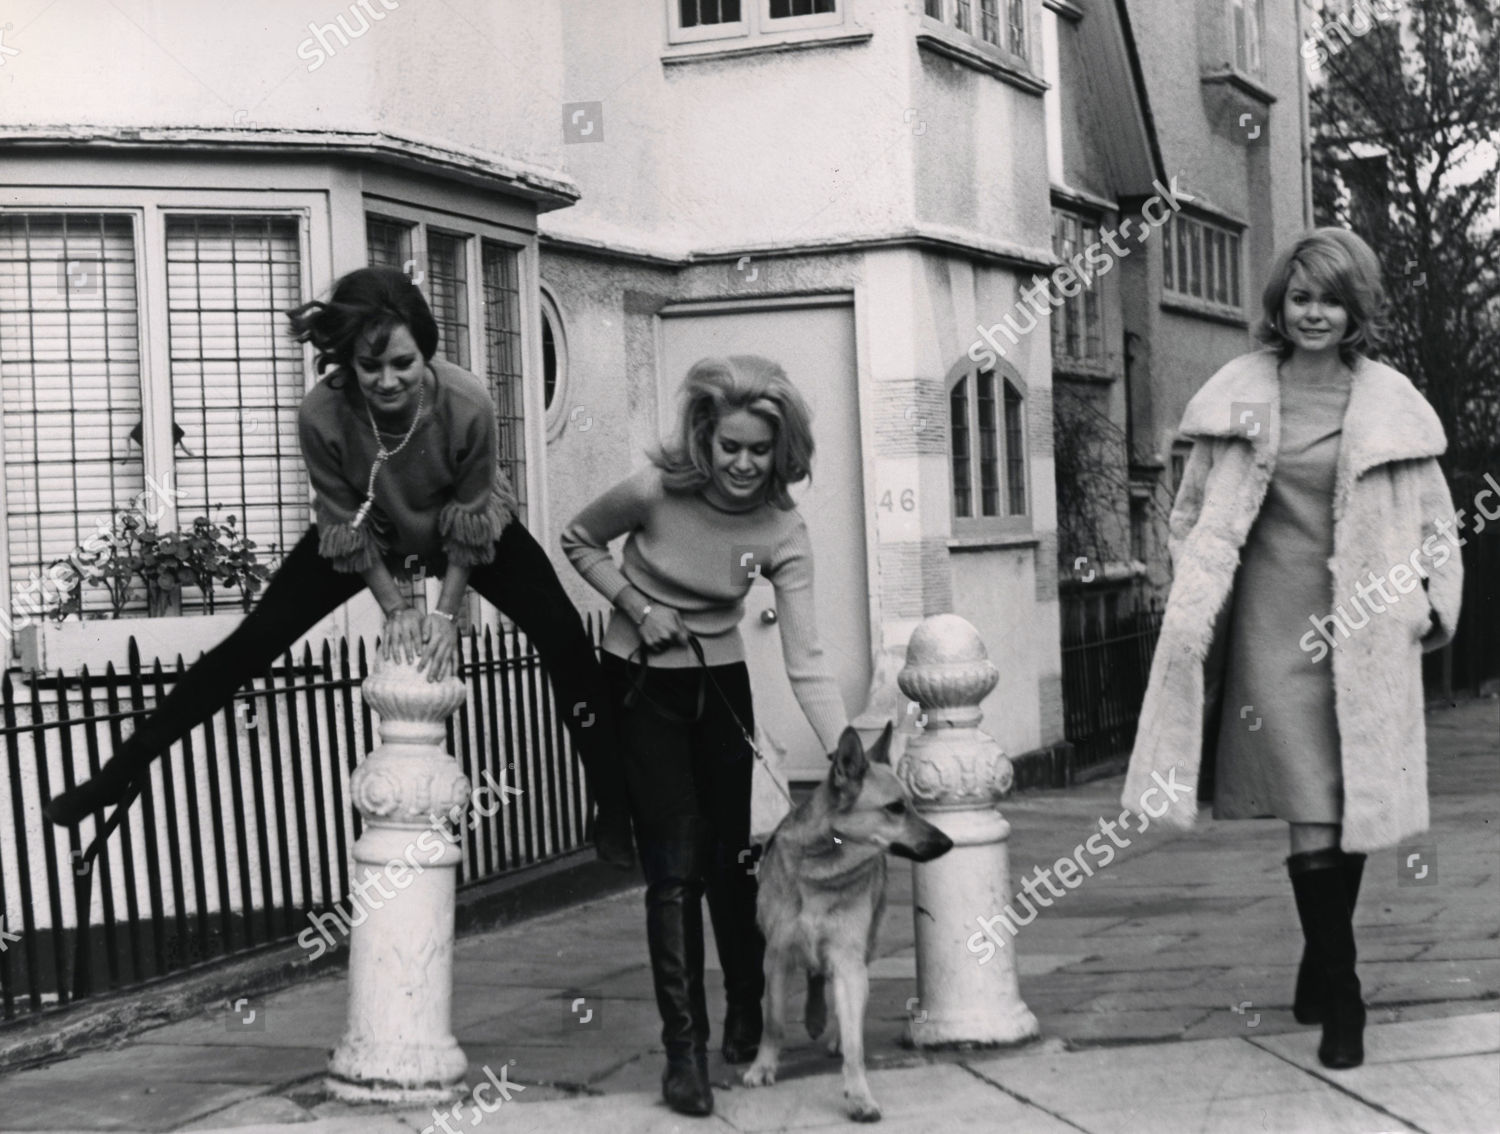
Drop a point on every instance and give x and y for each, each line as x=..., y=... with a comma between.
x=399, y=1045
x=957, y=773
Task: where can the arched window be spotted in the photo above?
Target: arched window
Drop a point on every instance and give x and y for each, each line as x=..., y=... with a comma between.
x=554, y=366
x=987, y=448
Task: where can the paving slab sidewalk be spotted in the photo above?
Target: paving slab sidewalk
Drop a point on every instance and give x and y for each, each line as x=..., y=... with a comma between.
x=1162, y=984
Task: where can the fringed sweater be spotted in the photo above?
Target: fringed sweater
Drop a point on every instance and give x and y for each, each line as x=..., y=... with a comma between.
x=443, y=499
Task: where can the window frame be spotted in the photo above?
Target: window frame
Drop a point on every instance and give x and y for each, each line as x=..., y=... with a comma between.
x=1082, y=363
x=1194, y=252
x=557, y=413
x=1025, y=59
x=1252, y=43
x=1006, y=523
x=755, y=23
x=148, y=207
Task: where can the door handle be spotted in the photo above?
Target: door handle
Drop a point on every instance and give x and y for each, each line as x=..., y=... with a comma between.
x=768, y=616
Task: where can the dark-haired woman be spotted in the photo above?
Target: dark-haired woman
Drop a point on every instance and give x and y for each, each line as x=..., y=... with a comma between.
x=1315, y=559
x=401, y=450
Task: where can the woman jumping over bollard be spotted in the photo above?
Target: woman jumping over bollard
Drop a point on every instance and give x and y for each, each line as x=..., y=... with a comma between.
x=401, y=450
x=1313, y=566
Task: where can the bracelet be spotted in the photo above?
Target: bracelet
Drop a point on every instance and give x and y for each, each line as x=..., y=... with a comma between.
x=452, y=621
x=641, y=621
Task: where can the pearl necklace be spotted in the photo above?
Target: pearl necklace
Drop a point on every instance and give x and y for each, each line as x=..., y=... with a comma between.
x=382, y=454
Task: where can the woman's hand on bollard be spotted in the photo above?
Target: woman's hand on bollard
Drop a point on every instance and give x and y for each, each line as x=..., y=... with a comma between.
x=402, y=640
x=440, y=647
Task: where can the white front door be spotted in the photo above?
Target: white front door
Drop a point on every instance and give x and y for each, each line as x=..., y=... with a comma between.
x=813, y=340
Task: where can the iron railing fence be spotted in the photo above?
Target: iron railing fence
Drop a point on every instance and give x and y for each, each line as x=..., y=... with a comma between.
x=245, y=832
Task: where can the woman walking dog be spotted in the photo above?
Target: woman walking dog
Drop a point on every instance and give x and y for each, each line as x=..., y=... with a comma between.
x=401, y=450
x=710, y=510
x=1311, y=573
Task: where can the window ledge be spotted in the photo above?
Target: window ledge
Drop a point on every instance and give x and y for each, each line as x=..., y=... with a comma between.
x=764, y=44
x=1065, y=8
x=1186, y=304
x=994, y=542
x=975, y=53
x=1076, y=370
x=1081, y=198
x=1238, y=81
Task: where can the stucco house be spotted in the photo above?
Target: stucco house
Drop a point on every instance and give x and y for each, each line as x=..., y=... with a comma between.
x=592, y=196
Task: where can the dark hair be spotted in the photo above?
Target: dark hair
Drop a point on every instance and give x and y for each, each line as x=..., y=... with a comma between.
x=1338, y=260
x=373, y=301
x=715, y=387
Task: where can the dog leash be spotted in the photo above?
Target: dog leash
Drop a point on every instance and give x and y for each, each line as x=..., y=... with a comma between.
x=706, y=676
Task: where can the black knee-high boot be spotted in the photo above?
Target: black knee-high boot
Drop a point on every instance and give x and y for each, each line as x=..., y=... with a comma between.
x=1307, y=1003
x=672, y=859
x=1325, y=910
x=732, y=893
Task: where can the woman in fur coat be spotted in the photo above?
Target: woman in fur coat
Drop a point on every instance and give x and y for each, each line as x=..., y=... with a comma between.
x=1315, y=559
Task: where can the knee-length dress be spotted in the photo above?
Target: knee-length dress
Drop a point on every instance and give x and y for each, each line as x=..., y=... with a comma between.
x=1278, y=746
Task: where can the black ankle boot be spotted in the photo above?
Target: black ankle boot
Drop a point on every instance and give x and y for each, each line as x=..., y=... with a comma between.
x=1307, y=1002
x=108, y=788
x=732, y=893
x=674, y=933
x=1325, y=909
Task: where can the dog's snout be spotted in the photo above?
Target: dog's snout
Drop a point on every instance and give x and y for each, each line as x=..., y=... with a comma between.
x=929, y=844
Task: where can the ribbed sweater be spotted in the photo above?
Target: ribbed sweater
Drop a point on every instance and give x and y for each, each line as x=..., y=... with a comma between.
x=699, y=559
x=443, y=499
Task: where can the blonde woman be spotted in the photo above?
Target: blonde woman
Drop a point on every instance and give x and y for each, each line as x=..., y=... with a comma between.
x=707, y=515
x=1315, y=560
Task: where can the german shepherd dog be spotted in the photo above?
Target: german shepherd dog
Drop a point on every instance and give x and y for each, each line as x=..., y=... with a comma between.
x=822, y=893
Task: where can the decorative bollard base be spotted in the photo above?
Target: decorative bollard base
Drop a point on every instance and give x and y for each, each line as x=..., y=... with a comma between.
x=957, y=773
x=960, y=1001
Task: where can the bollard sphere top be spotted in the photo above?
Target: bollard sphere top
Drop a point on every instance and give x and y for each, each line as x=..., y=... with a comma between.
x=945, y=639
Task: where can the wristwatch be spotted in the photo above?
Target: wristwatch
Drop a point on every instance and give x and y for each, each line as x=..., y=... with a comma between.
x=641, y=621
x=444, y=614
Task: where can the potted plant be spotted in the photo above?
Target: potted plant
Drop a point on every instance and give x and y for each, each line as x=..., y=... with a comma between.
x=129, y=554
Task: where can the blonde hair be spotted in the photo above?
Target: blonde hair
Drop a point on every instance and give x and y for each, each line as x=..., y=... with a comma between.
x=715, y=387
x=1339, y=261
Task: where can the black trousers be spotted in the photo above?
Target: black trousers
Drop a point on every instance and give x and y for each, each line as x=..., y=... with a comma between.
x=696, y=774
x=519, y=581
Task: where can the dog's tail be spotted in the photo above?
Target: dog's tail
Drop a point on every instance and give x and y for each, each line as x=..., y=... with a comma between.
x=816, y=1014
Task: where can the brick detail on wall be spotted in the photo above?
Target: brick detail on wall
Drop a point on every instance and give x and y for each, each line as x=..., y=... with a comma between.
x=1046, y=566
x=1050, y=707
x=915, y=579
x=1040, y=421
x=911, y=418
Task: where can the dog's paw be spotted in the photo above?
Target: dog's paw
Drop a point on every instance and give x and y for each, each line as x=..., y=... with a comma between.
x=759, y=1075
x=863, y=1108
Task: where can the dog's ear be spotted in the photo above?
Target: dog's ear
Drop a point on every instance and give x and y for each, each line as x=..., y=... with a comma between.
x=849, y=764
x=880, y=751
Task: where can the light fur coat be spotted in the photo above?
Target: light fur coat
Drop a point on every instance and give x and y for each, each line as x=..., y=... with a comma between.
x=1390, y=500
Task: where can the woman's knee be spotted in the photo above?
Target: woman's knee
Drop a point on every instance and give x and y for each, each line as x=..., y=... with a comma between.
x=1309, y=837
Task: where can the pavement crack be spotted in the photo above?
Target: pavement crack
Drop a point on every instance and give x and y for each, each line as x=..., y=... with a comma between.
x=1336, y=1085
x=1020, y=1098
